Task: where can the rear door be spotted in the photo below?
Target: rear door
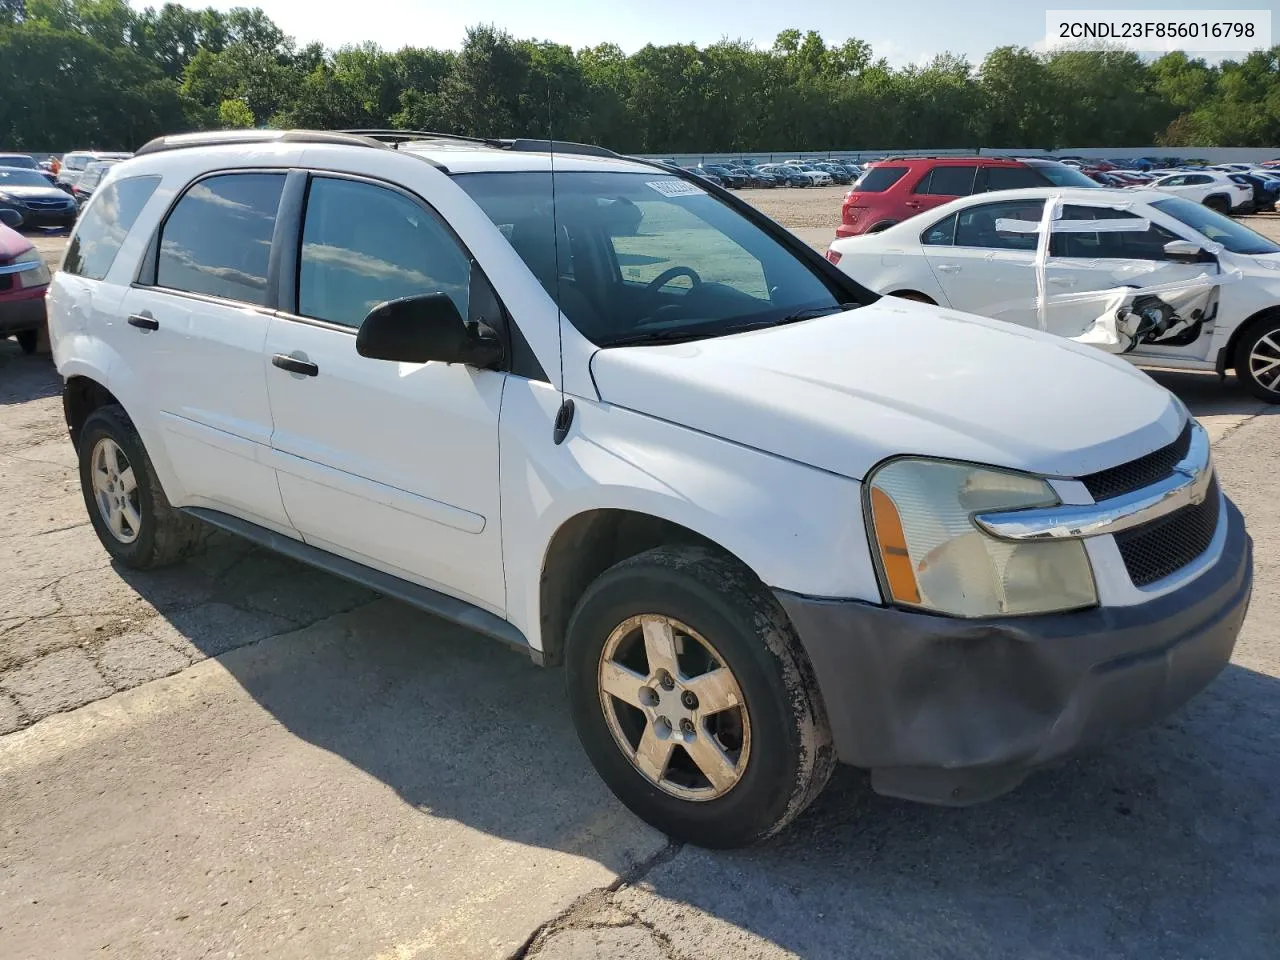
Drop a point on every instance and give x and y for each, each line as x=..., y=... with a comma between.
x=394, y=465
x=940, y=185
x=982, y=266
x=197, y=320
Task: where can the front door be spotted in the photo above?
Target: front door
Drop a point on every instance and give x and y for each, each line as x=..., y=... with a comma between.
x=1090, y=262
x=394, y=465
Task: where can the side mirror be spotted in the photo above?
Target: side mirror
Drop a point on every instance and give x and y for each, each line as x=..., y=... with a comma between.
x=1185, y=251
x=423, y=328
x=10, y=217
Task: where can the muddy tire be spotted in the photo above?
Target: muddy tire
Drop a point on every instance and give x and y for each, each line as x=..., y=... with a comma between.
x=127, y=506
x=693, y=698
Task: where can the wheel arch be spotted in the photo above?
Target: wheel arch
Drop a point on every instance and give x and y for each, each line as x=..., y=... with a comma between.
x=916, y=295
x=585, y=546
x=1261, y=316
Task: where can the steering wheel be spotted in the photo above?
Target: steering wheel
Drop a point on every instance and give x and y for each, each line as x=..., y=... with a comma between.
x=666, y=276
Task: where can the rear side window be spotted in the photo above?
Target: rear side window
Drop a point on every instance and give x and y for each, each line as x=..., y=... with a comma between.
x=879, y=179
x=1009, y=178
x=393, y=248
x=949, y=181
x=980, y=226
x=942, y=233
x=217, y=239
x=105, y=224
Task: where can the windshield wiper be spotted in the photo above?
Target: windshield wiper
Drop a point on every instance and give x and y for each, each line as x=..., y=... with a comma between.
x=661, y=336
x=814, y=313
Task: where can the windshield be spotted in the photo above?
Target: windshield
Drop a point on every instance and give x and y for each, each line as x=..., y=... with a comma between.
x=1233, y=236
x=1060, y=175
x=643, y=256
x=17, y=160
x=21, y=178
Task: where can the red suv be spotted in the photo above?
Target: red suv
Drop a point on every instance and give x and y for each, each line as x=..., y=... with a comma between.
x=24, y=278
x=892, y=190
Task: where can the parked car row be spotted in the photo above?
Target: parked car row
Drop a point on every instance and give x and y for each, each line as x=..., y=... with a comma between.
x=792, y=173
x=48, y=195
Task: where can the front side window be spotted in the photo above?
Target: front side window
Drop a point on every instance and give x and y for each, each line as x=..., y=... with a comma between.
x=392, y=248
x=1011, y=178
x=642, y=257
x=104, y=225
x=1107, y=245
x=980, y=226
x=217, y=239
x=948, y=181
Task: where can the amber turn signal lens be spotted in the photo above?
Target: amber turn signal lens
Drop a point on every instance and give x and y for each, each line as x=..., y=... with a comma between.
x=893, y=548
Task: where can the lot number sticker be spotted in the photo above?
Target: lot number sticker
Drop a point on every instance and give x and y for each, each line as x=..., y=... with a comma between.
x=676, y=188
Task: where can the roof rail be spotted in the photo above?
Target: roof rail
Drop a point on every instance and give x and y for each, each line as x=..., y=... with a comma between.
x=395, y=137
x=558, y=146
x=217, y=138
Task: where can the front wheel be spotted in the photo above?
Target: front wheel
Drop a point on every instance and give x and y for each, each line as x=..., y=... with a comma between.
x=693, y=699
x=1257, y=359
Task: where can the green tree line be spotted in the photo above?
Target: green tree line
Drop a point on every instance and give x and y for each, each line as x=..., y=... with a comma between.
x=97, y=73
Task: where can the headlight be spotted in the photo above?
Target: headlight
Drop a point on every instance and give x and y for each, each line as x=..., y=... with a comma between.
x=934, y=557
x=31, y=273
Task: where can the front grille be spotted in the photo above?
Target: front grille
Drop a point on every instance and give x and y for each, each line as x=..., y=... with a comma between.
x=42, y=204
x=1162, y=547
x=1139, y=473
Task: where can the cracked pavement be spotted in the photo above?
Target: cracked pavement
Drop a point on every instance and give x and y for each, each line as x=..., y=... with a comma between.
x=240, y=756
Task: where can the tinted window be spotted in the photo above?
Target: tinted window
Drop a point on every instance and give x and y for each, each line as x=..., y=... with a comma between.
x=1011, y=178
x=217, y=240
x=395, y=248
x=1125, y=245
x=104, y=225
x=878, y=179
x=1197, y=178
x=18, y=160
x=948, y=182
x=1061, y=175
x=942, y=233
x=978, y=227
x=1235, y=237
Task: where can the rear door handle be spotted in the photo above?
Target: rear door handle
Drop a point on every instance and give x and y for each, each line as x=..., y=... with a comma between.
x=294, y=365
x=949, y=267
x=144, y=323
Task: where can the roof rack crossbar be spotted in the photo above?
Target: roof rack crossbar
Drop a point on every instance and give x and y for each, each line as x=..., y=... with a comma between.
x=183, y=141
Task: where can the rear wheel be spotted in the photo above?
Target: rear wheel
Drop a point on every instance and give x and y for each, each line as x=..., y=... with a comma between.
x=693, y=699
x=1218, y=204
x=127, y=506
x=1257, y=359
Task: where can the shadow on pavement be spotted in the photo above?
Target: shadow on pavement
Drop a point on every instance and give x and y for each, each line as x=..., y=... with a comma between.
x=23, y=377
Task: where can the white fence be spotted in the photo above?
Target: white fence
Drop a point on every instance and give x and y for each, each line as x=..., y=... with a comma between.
x=1210, y=154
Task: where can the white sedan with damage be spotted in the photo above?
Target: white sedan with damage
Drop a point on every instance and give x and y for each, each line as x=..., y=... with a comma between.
x=1156, y=278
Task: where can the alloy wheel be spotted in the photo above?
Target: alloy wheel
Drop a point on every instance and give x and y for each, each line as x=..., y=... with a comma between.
x=1264, y=361
x=115, y=490
x=674, y=707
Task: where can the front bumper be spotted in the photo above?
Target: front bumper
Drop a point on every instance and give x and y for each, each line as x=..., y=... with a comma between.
x=958, y=711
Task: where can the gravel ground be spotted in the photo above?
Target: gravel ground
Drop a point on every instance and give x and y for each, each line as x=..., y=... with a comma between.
x=242, y=756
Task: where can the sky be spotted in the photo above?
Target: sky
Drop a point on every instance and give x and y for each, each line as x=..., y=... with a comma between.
x=902, y=31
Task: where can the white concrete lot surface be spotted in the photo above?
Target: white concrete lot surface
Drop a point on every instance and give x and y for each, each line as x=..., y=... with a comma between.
x=240, y=757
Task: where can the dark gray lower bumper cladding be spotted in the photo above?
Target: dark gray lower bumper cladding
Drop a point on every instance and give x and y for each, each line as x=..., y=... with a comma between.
x=958, y=711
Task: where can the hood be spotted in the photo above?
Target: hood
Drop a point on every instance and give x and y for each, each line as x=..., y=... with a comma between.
x=49, y=192
x=12, y=243
x=844, y=392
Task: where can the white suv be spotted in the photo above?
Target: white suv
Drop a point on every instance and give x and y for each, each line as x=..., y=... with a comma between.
x=1213, y=188
x=615, y=417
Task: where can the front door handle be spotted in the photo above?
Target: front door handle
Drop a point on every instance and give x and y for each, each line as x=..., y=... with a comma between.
x=949, y=267
x=143, y=322
x=1063, y=281
x=294, y=365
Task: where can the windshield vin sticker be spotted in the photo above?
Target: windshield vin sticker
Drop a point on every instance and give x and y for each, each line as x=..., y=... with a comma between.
x=675, y=188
